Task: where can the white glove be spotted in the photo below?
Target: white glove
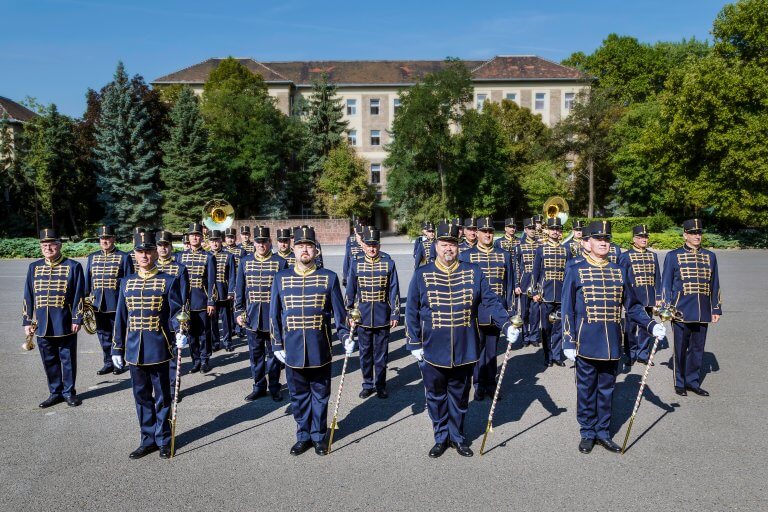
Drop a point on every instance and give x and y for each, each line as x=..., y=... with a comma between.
x=280, y=355
x=659, y=331
x=512, y=333
x=181, y=340
x=570, y=354
x=418, y=354
x=349, y=345
x=117, y=362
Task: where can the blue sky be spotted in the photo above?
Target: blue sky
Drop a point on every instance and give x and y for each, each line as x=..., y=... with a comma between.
x=53, y=50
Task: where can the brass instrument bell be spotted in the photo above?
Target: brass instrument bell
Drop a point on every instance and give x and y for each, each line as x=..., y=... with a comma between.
x=554, y=316
x=556, y=206
x=218, y=214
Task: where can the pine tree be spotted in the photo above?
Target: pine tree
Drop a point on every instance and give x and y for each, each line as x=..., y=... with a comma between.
x=126, y=157
x=187, y=173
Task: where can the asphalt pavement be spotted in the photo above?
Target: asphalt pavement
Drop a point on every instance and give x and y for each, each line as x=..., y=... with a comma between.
x=686, y=453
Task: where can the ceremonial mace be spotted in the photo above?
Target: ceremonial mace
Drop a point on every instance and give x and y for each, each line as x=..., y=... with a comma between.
x=183, y=318
x=517, y=323
x=29, y=339
x=665, y=314
x=355, y=316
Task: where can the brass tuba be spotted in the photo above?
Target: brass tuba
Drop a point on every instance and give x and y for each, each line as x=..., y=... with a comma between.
x=556, y=206
x=218, y=214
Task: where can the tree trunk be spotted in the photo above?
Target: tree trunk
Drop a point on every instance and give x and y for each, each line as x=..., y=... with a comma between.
x=591, y=170
x=440, y=171
x=74, y=222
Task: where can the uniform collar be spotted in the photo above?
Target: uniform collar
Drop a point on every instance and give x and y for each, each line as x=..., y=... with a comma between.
x=688, y=248
x=164, y=261
x=199, y=249
x=510, y=238
x=552, y=243
x=303, y=273
x=114, y=248
x=284, y=254
x=450, y=268
x=639, y=249
x=470, y=244
x=149, y=273
x=373, y=260
x=53, y=263
x=482, y=248
x=262, y=258
x=596, y=262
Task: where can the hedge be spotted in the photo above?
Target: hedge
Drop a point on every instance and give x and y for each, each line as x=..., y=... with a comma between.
x=30, y=248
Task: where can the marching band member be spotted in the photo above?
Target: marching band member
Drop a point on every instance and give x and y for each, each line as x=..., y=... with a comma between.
x=422, y=248
x=284, y=249
x=509, y=241
x=225, y=293
x=526, y=253
x=470, y=234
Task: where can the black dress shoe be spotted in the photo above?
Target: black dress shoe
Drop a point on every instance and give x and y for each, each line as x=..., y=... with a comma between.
x=230, y=348
x=535, y=344
x=382, y=393
x=586, y=445
x=438, y=450
x=105, y=370
x=366, y=392
x=479, y=394
x=681, y=391
x=277, y=396
x=165, y=452
x=300, y=447
x=462, y=449
x=141, y=451
x=119, y=371
x=51, y=400
x=205, y=367
x=698, y=391
x=216, y=348
x=195, y=367
x=321, y=448
x=548, y=364
x=609, y=445
x=73, y=401
x=559, y=363
x=256, y=395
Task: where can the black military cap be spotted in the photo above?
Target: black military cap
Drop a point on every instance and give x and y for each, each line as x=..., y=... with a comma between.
x=284, y=235
x=457, y=222
x=49, y=235
x=359, y=229
x=245, y=230
x=106, y=231
x=509, y=222
x=641, y=230
x=529, y=222
x=163, y=237
x=538, y=218
x=261, y=233
x=371, y=236
x=304, y=235
x=578, y=225
x=470, y=222
x=143, y=241
x=215, y=235
x=600, y=229
x=585, y=233
x=428, y=226
x=554, y=223
x=448, y=232
x=230, y=232
x=485, y=224
x=136, y=231
x=195, y=229
x=693, y=226
x=185, y=238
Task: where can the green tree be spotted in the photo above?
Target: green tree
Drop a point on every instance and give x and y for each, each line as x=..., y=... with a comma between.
x=126, y=157
x=541, y=180
x=343, y=187
x=741, y=32
x=187, y=173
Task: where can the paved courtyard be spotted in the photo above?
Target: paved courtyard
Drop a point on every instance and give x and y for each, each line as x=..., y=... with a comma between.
x=687, y=453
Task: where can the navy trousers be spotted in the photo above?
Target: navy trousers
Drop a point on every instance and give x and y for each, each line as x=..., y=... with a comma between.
x=689, y=352
x=531, y=330
x=105, y=327
x=310, y=390
x=484, y=375
x=551, y=333
x=639, y=342
x=200, y=347
x=59, y=357
x=265, y=367
x=595, y=381
x=447, y=392
x=152, y=393
x=374, y=354
x=223, y=313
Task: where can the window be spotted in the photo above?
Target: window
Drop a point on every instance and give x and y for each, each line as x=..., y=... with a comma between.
x=481, y=101
x=352, y=137
x=375, y=107
x=375, y=174
x=511, y=96
x=568, y=100
x=396, y=105
x=351, y=107
x=375, y=137
x=541, y=99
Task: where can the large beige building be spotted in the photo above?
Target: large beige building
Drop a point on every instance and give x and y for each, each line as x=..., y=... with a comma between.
x=370, y=93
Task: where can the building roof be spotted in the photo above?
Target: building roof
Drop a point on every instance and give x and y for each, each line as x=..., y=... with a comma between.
x=15, y=111
x=382, y=72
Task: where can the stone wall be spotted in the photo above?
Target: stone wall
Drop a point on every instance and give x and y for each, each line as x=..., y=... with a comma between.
x=327, y=231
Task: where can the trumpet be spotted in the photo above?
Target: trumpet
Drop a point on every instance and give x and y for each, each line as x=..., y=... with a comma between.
x=554, y=316
x=89, y=315
x=29, y=340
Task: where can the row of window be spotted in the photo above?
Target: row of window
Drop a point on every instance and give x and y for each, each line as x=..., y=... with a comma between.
x=375, y=137
x=539, y=101
x=374, y=105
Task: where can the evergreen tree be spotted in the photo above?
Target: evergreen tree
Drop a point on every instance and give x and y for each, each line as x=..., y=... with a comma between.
x=343, y=188
x=126, y=157
x=187, y=174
